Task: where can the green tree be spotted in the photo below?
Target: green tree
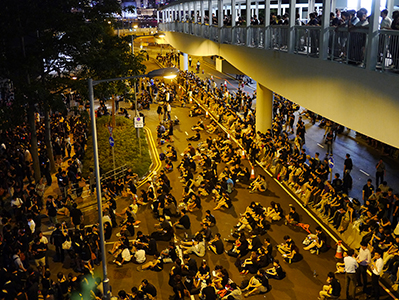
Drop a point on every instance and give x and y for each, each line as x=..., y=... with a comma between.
x=43, y=41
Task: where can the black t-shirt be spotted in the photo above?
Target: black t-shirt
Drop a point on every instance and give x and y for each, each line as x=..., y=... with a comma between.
x=209, y=293
x=336, y=287
x=211, y=218
x=150, y=289
x=295, y=216
x=76, y=215
x=219, y=246
x=185, y=221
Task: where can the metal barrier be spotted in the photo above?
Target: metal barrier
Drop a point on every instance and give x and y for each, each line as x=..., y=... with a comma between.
x=256, y=37
x=214, y=33
x=225, y=33
x=279, y=36
x=348, y=46
x=388, y=50
x=239, y=36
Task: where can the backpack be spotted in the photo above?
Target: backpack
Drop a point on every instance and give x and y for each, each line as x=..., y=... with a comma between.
x=162, y=156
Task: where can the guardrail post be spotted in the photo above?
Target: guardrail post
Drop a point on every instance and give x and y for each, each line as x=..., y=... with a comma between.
x=291, y=33
x=372, y=45
x=324, y=32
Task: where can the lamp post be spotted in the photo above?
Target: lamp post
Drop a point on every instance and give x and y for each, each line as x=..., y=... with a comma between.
x=168, y=73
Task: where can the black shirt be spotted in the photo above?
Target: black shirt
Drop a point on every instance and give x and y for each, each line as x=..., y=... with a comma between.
x=150, y=289
x=76, y=215
x=219, y=246
x=185, y=221
x=209, y=293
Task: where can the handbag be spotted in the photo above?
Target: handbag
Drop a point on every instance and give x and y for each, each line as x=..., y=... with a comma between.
x=92, y=255
x=67, y=245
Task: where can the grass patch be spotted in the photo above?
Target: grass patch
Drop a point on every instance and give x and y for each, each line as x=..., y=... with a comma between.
x=126, y=148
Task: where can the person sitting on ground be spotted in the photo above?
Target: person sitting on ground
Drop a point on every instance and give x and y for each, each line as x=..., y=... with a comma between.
x=293, y=217
x=289, y=250
x=197, y=246
x=199, y=126
x=316, y=243
x=275, y=272
x=148, y=289
x=155, y=265
x=216, y=245
x=257, y=284
x=274, y=212
x=195, y=137
x=209, y=219
x=124, y=256
x=260, y=185
x=332, y=290
x=184, y=221
x=224, y=201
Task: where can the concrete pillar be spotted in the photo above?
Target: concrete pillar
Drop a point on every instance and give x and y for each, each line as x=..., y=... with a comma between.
x=185, y=62
x=248, y=17
x=220, y=13
x=158, y=16
x=333, y=5
x=219, y=65
x=202, y=8
x=310, y=7
x=163, y=16
x=372, y=45
x=264, y=108
x=390, y=5
x=239, y=10
x=291, y=39
x=324, y=33
x=279, y=7
x=257, y=9
x=267, y=13
x=210, y=11
x=233, y=13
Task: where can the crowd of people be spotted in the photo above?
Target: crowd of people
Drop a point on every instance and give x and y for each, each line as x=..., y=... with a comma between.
x=23, y=242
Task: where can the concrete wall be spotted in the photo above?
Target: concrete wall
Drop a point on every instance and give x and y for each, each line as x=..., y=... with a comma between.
x=365, y=101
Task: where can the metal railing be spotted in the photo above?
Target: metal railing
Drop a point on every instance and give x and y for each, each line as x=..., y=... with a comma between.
x=347, y=46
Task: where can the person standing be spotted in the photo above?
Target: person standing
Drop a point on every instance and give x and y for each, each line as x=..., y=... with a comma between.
x=377, y=264
x=368, y=190
x=351, y=266
x=379, y=171
x=363, y=259
x=348, y=164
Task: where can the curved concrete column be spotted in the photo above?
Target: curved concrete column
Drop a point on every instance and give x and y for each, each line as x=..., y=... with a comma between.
x=264, y=108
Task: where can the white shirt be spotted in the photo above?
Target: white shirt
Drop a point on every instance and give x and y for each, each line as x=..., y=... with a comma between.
x=364, y=257
x=140, y=256
x=32, y=226
x=126, y=255
x=386, y=23
x=350, y=265
x=378, y=265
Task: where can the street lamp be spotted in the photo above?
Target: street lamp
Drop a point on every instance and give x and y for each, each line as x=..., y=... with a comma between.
x=168, y=73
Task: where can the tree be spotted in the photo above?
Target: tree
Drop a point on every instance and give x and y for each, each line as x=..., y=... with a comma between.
x=42, y=42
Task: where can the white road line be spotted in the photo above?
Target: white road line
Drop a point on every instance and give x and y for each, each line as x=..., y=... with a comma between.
x=320, y=145
x=367, y=174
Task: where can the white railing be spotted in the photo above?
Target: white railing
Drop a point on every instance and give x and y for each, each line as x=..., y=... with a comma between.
x=348, y=46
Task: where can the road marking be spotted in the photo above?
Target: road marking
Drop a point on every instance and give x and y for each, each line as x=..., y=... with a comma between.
x=365, y=173
x=320, y=145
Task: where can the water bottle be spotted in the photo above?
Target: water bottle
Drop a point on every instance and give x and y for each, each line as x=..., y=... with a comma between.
x=314, y=274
